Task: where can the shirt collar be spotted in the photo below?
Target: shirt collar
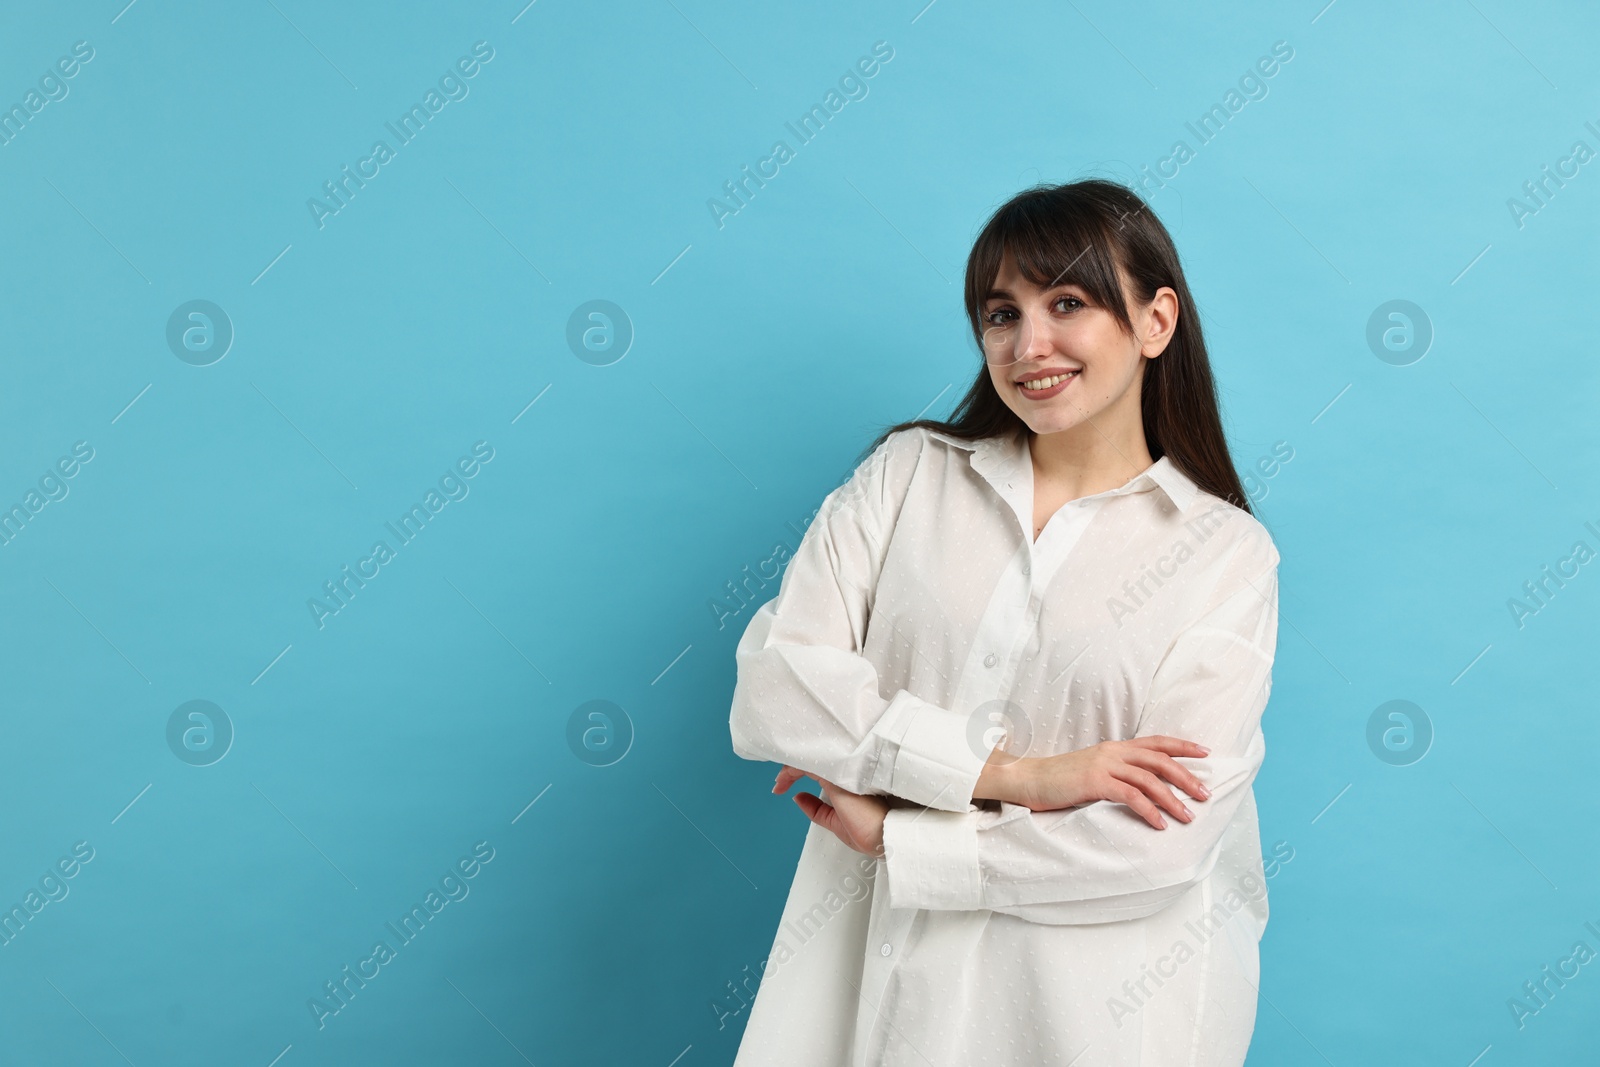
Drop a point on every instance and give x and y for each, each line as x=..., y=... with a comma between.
x=1002, y=457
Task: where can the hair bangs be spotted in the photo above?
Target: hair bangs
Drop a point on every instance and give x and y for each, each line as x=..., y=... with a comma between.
x=1054, y=242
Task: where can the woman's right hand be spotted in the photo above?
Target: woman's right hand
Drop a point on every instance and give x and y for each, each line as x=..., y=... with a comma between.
x=1124, y=772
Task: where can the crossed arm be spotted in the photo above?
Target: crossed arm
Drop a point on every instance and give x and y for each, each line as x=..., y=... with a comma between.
x=1078, y=837
x=1133, y=772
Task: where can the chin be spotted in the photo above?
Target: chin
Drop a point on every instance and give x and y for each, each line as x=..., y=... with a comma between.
x=1046, y=422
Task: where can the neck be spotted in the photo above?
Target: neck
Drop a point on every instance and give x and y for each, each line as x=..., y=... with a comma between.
x=1085, y=459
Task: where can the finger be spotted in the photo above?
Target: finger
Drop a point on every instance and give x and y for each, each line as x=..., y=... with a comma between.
x=835, y=820
x=811, y=804
x=1123, y=793
x=786, y=777
x=1157, y=790
x=1172, y=746
x=1171, y=770
x=822, y=814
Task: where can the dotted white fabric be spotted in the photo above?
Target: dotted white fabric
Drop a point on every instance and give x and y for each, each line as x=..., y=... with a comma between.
x=917, y=626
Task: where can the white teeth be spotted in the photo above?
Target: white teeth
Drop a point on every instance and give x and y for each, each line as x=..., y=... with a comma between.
x=1046, y=383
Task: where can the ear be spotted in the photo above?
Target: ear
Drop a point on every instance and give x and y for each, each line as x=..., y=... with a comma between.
x=1161, y=322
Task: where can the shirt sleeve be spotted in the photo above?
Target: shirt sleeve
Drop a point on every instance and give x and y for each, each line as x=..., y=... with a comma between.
x=806, y=696
x=1100, y=862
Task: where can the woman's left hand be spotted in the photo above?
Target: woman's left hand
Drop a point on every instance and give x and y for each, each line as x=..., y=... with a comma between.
x=854, y=818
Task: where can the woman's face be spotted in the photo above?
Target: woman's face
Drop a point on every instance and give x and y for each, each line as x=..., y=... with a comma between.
x=1038, y=335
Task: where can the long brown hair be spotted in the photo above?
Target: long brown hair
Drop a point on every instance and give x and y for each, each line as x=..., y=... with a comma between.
x=1077, y=234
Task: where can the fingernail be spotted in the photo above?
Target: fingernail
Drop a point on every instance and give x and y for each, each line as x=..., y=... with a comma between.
x=1187, y=813
x=1204, y=751
x=1161, y=824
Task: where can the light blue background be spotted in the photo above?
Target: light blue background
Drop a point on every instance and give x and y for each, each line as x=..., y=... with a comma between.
x=431, y=311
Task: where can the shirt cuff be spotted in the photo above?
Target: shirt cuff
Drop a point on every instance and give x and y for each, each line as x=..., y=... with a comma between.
x=932, y=859
x=933, y=755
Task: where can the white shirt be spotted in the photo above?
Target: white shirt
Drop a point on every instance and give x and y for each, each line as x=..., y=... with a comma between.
x=917, y=625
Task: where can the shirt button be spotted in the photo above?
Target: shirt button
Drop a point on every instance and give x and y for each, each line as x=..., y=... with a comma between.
x=988, y=661
x=886, y=949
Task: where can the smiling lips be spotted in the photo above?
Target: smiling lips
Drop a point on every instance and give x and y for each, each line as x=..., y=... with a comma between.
x=1043, y=384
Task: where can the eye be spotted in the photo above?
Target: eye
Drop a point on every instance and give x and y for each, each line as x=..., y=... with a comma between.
x=1074, y=299
x=991, y=319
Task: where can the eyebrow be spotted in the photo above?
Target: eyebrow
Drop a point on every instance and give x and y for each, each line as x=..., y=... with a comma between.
x=1005, y=294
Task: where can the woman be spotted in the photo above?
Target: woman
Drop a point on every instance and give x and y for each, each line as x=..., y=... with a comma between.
x=1073, y=613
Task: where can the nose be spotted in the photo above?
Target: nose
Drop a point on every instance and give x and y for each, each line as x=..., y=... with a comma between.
x=1037, y=339
x=1030, y=336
